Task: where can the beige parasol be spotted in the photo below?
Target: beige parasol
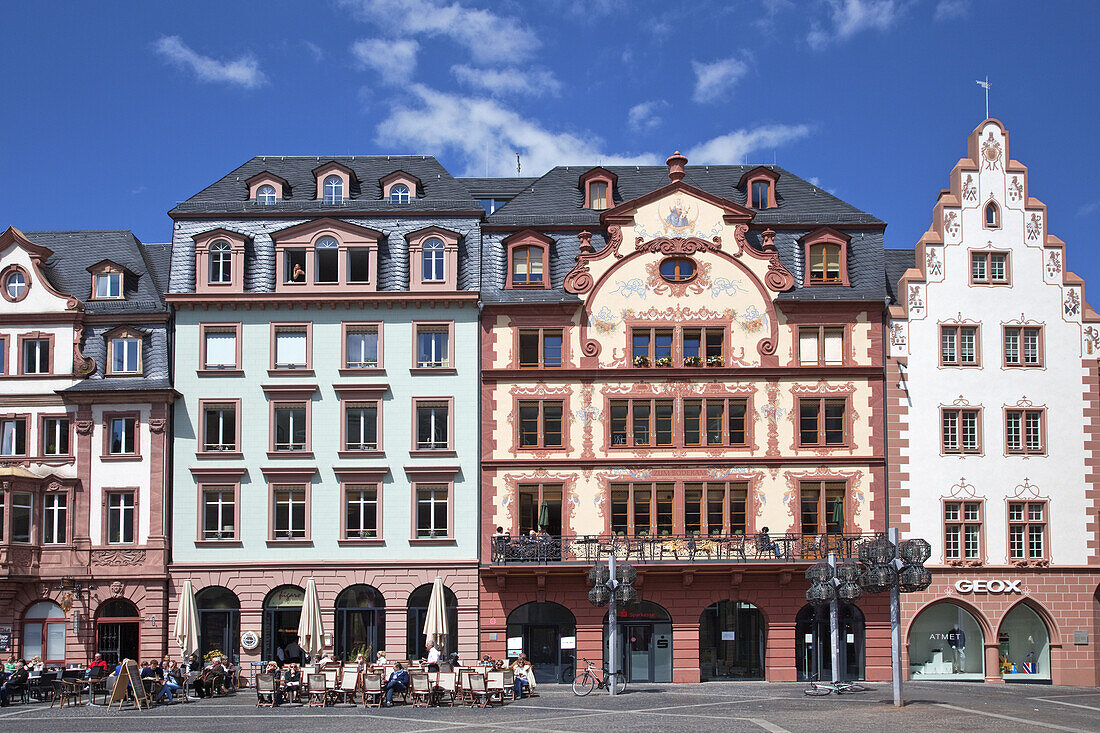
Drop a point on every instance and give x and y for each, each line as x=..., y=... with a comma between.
x=187, y=621
x=435, y=622
x=310, y=628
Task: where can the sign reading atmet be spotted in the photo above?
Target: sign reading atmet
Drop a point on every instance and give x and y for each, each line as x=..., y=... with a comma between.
x=988, y=586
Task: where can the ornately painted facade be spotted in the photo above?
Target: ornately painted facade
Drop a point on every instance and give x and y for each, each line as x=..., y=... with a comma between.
x=994, y=436
x=84, y=449
x=326, y=346
x=674, y=360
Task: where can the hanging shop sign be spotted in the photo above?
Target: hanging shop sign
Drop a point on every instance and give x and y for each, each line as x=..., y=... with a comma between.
x=995, y=586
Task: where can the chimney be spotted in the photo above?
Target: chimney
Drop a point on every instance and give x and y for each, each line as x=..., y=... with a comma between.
x=676, y=163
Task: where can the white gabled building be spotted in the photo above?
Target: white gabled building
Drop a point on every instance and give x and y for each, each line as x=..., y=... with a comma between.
x=992, y=439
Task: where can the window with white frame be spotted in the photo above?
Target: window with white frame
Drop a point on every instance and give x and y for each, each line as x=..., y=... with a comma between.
x=13, y=436
x=108, y=285
x=15, y=285
x=333, y=189
x=219, y=513
x=432, y=426
x=821, y=345
x=361, y=426
x=989, y=268
x=959, y=345
x=265, y=194
x=432, y=345
x=399, y=194
x=433, y=258
x=291, y=347
x=120, y=518
x=960, y=429
x=1024, y=431
x=327, y=260
x=361, y=511
x=361, y=347
x=221, y=263
x=431, y=510
x=290, y=427
x=289, y=502
x=1023, y=346
x=1027, y=529
x=36, y=356
x=22, y=510
x=122, y=436
x=54, y=517
x=55, y=436
x=219, y=429
x=220, y=348
x=126, y=355
x=962, y=532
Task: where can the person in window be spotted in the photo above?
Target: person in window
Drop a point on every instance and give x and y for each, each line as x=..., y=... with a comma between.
x=14, y=684
x=525, y=676
x=297, y=273
x=765, y=541
x=433, y=657
x=398, y=682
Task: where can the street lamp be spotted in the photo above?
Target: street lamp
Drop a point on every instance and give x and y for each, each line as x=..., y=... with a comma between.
x=612, y=585
x=887, y=565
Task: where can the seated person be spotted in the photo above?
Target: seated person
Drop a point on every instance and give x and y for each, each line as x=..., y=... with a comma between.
x=14, y=684
x=765, y=540
x=381, y=658
x=524, y=675
x=291, y=684
x=398, y=682
x=97, y=669
x=212, y=678
x=171, y=681
x=148, y=676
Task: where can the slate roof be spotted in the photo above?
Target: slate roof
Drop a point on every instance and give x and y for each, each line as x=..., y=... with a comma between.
x=897, y=262
x=75, y=251
x=557, y=200
x=495, y=188
x=229, y=194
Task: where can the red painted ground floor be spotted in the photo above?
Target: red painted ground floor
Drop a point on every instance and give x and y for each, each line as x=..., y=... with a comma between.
x=690, y=624
x=1005, y=624
x=114, y=612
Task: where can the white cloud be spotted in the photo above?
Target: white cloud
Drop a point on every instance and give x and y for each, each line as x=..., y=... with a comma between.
x=951, y=9
x=849, y=17
x=497, y=82
x=485, y=34
x=395, y=60
x=714, y=79
x=1088, y=208
x=735, y=147
x=244, y=71
x=643, y=116
x=314, y=50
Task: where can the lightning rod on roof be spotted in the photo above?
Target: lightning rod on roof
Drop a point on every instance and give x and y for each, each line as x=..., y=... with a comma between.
x=519, y=166
x=985, y=85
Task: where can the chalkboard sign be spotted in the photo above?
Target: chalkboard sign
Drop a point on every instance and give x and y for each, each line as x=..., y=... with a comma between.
x=5, y=640
x=128, y=685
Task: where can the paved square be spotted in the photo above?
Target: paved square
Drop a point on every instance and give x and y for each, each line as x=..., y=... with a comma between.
x=668, y=708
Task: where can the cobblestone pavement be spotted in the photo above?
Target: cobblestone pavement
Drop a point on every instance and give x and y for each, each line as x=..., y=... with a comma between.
x=714, y=706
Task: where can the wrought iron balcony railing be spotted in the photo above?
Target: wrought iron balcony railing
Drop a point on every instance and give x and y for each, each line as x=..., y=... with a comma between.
x=753, y=548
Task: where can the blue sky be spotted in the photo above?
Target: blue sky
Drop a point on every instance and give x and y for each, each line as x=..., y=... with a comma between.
x=136, y=105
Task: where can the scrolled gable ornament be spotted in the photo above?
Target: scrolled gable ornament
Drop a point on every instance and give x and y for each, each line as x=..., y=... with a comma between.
x=677, y=245
x=579, y=279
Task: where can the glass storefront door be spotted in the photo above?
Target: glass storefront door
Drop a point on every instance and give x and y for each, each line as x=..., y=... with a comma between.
x=548, y=634
x=732, y=639
x=117, y=632
x=282, y=612
x=219, y=621
x=645, y=642
x=814, y=648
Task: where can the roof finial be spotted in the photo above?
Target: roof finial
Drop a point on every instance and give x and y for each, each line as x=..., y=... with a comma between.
x=676, y=163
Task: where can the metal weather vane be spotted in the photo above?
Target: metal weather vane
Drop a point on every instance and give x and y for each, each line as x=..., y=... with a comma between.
x=985, y=85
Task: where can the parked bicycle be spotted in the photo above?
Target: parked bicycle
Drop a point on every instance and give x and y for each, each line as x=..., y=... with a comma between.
x=590, y=679
x=818, y=688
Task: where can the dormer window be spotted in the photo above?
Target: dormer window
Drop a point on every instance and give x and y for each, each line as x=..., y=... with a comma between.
x=333, y=189
x=108, y=285
x=825, y=257
x=992, y=216
x=597, y=185
x=761, y=194
x=15, y=284
x=399, y=194
x=434, y=261
x=597, y=194
x=328, y=260
x=528, y=260
x=123, y=352
x=221, y=263
x=265, y=194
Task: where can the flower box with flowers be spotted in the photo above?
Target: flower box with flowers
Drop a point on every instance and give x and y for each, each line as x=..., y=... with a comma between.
x=693, y=361
x=664, y=361
x=714, y=360
x=641, y=361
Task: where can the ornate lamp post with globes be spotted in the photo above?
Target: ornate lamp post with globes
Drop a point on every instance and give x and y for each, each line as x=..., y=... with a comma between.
x=612, y=585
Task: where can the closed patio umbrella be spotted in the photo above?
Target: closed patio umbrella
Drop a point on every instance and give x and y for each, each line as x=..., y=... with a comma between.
x=544, y=515
x=310, y=628
x=435, y=621
x=187, y=621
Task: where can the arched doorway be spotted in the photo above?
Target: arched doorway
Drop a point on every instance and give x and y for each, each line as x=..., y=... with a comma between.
x=360, y=622
x=732, y=638
x=219, y=621
x=418, y=611
x=645, y=642
x=547, y=634
x=117, y=631
x=44, y=633
x=946, y=643
x=1024, y=646
x=814, y=645
x=282, y=611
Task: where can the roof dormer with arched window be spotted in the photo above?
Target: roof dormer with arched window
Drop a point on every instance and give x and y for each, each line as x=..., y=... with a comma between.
x=400, y=187
x=598, y=186
x=759, y=186
x=325, y=254
x=219, y=261
x=266, y=188
x=109, y=280
x=528, y=260
x=334, y=181
x=433, y=259
x=825, y=253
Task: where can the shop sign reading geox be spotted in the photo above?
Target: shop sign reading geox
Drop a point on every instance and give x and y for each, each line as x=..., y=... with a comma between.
x=988, y=586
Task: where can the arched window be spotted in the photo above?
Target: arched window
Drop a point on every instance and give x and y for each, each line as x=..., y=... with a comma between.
x=825, y=263
x=992, y=216
x=527, y=265
x=265, y=194
x=543, y=627
x=433, y=261
x=219, y=621
x=333, y=189
x=221, y=262
x=360, y=622
x=118, y=631
x=44, y=633
x=399, y=194
x=282, y=610
x=946, y=642
x=418, y=612
x=327, y=260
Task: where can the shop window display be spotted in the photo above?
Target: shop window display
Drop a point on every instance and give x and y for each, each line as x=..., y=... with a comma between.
x=1023, y=646
x=946, y=643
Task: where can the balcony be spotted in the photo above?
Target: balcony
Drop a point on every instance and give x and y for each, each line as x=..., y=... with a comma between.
x=673, y=549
